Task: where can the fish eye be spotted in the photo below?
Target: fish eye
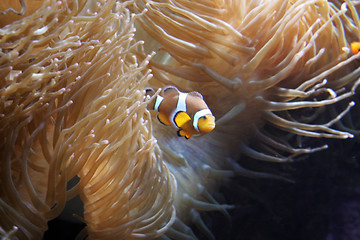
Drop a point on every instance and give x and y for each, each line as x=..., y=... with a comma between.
x=203, y=117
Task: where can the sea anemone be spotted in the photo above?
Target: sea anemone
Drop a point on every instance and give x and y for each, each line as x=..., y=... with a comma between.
x=73, y=75
x=11, y=11
x=269, y=70
x=240, y=54
x=72, y=104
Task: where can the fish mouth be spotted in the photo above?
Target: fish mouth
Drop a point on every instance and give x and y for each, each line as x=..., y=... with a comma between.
x=208, y=128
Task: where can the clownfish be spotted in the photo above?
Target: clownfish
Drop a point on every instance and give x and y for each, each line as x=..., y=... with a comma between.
x=355, y=47
x=186, y=111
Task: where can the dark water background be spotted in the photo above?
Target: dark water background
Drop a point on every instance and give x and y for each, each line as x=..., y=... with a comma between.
x=323, y=202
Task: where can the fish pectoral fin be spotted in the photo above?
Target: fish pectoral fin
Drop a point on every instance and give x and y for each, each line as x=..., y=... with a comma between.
x=181, y=118
x=183, y=133
x=163, y=119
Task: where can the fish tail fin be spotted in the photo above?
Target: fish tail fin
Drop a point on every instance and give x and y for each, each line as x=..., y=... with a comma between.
x=149, y=91
x=149, y=94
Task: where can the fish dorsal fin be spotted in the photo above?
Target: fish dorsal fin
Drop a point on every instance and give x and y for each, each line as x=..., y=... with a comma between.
x=196, y=94
x=170, y=89
x=181, y=118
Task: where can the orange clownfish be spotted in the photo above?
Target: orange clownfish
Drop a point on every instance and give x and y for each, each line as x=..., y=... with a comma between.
x=355, y=47
x=186, y=111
